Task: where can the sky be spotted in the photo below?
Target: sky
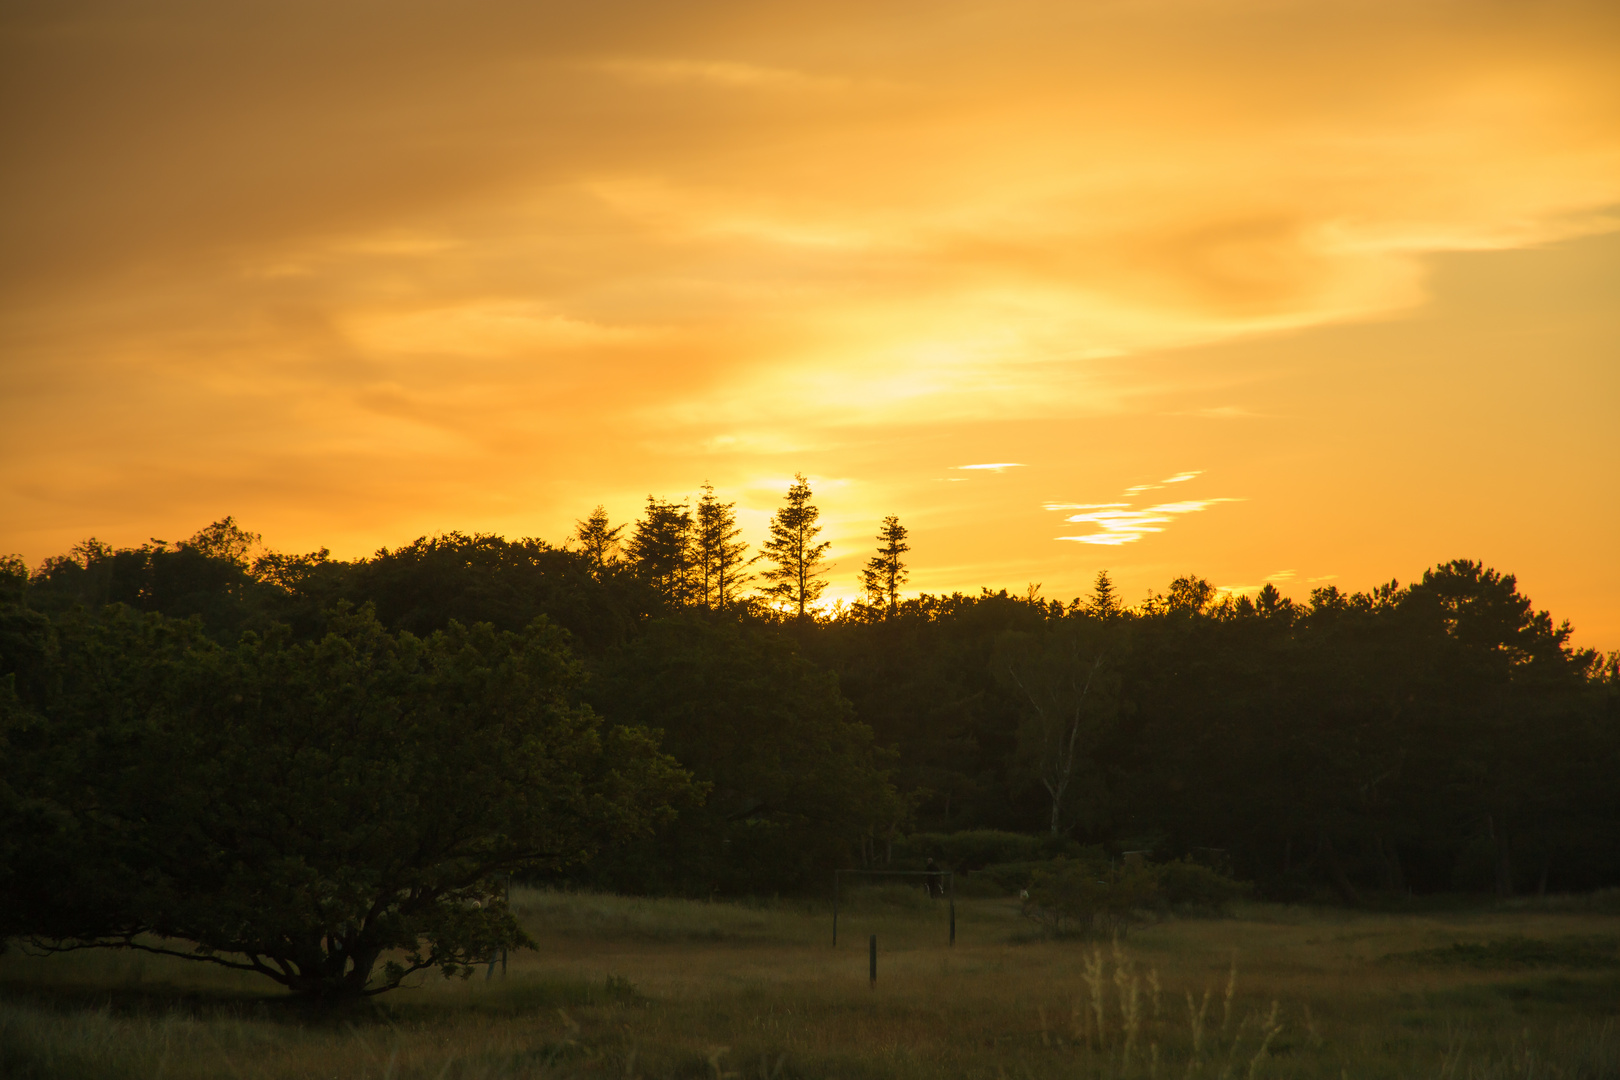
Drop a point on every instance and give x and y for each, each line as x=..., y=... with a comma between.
x=1301, y=293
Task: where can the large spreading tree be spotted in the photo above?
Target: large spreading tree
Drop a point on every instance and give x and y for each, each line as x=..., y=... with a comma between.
x=334, y=814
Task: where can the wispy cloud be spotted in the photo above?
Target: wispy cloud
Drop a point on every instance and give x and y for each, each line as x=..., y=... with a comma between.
x=1118, y=526
x=1121, y=523
x=1179, y=478
x=1082, y=506
x=991, y=466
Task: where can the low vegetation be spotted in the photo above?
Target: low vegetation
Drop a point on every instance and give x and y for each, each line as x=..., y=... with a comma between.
x=624, y=987
x=1085, y=899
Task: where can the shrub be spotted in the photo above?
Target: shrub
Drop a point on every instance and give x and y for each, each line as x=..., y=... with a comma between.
x=1188, y=888
x=1012, y=877
x=1081, y=899
x=1084, y=899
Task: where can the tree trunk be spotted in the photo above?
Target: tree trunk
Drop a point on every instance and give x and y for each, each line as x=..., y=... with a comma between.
x=1389, y=864
x=1335, y=871
x=1504, y=860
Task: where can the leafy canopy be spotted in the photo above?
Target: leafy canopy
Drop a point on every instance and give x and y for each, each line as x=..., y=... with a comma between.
x=308, y=810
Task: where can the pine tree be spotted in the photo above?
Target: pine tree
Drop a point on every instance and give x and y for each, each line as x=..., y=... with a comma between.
x=661, y=548
x=718, y=554
x=599, y=543
x=799, y=575
x=885, y=572
x=1105, y=598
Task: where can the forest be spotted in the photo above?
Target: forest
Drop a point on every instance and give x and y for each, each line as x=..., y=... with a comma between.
x=247, y=749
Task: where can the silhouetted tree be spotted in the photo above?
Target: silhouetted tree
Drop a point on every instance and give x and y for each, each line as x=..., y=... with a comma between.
x=885, y=572
x=798, y=578
x=598, y=540
x=13, y=578
x=206, y=575
x=661, y=548
x=1105, y=602
x=224, y=539
x=424, y=585
x=1189, y=594
x=307, y=811
x=719, y=555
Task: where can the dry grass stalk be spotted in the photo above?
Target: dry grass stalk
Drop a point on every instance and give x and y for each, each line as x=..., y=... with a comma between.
x=1269, y=1029
x=1195, y=1022
x=1128, y=987
x=1093, y=975
x=1231, y=988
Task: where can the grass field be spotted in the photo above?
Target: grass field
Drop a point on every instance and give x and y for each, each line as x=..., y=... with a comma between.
x=628, y=988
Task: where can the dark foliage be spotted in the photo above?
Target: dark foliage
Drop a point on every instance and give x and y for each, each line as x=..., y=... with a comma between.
x=303, y=810
x=1438, y=737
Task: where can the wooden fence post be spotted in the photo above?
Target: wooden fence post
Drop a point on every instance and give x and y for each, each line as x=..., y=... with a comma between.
x=835, y=908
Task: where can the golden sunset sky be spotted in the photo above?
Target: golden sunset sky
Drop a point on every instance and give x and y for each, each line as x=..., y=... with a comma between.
x=1264, y=291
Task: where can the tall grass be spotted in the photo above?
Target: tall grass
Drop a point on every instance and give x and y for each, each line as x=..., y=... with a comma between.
x=650, y=988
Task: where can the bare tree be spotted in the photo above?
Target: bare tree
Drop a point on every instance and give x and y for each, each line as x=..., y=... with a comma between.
x=1065, y=677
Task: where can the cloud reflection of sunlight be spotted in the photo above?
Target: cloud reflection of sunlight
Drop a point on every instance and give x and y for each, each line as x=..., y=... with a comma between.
x=1119, y=524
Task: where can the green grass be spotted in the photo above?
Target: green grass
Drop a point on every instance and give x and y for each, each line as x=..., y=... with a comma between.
x=1601, y=952
x=652, y=988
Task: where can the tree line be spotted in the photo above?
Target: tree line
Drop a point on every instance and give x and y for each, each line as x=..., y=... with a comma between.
x=321, y=765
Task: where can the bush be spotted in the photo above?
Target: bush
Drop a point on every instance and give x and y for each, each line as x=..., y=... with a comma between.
x=1086, y=899
x=1012, y=877
x=1191, y=888
x=1079, y=899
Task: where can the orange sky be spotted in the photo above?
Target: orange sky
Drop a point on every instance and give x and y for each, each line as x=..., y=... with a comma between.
x=1298, y=292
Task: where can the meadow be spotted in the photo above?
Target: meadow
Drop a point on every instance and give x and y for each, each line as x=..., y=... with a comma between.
x=624, y=987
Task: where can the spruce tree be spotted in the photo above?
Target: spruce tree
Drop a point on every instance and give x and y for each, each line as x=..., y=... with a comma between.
x=885, y=572
x=1105, y=598
x=661, y=548
x=718, y=554
x=799, y=575
x=598, y=541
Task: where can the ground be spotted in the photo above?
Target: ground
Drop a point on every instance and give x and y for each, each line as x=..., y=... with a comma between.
x=651, y=988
